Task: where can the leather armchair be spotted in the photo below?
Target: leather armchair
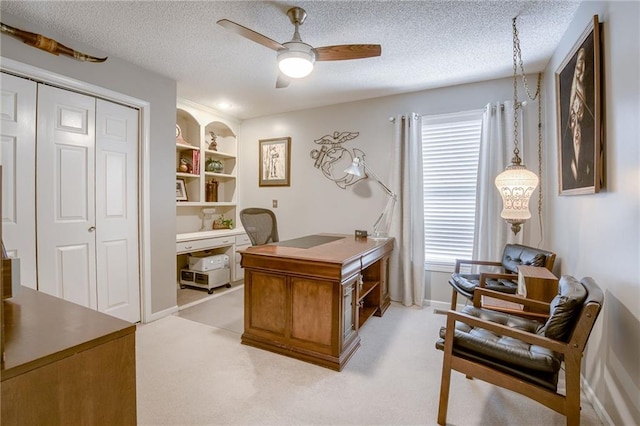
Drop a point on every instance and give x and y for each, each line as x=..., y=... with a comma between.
x=520, y=354
x=504, y=281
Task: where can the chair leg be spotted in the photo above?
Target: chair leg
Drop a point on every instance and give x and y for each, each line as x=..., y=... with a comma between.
x=454, y=300
x=445, y=384
x=572, y=379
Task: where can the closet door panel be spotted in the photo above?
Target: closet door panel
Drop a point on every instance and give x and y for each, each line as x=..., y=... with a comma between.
x=117, y=211
x=66, y=196
x=17, y=157
x=72, y=266
x=71, y=186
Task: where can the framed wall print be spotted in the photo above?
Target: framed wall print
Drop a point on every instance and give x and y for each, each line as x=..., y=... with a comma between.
x=275, y=162
x=181, y=190
x=578, y=105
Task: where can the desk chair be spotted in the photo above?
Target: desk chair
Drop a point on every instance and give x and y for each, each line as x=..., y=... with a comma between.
x=520, y=354
x=260, y=224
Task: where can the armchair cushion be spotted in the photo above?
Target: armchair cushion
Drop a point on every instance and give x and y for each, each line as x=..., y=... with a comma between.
x=564, y=309
x=469, y=282
x=531, y=362
x=515, y=255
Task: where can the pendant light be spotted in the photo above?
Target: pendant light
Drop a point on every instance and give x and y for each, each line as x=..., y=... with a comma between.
x=516, y=183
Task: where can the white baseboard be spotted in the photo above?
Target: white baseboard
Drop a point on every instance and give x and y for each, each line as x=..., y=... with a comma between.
x=161, y=314
x=595, y=402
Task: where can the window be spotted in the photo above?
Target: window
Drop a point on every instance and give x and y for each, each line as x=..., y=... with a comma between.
x=450, y=149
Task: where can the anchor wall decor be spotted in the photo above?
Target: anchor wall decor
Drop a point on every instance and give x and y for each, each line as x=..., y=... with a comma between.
x=332, y=158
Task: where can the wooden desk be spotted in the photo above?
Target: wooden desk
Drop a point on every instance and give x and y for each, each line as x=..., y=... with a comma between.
x=66, y=364
x=306, y=298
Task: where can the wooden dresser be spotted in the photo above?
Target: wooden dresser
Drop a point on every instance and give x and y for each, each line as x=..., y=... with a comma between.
x=66, y=364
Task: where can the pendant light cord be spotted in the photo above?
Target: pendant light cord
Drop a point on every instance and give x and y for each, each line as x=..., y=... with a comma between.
x=517, y=58
x=539, y=94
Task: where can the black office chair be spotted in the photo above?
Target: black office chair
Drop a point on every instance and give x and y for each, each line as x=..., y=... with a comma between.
x=260, y=224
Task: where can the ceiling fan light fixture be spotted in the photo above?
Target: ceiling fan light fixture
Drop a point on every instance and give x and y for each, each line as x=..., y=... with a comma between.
x=296, y=61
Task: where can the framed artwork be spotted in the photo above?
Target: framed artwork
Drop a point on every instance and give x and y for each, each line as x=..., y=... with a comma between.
x=181, y=190
x=578, y=106
x=275, y=162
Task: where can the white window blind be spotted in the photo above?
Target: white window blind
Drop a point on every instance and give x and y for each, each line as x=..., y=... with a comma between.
x=450, y=149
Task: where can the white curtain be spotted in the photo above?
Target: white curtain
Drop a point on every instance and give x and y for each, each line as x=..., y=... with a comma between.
x=407, y=227
x=496, y=150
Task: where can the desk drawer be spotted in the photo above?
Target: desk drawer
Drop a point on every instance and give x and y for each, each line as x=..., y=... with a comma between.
x=243, y=240
x=204, y=244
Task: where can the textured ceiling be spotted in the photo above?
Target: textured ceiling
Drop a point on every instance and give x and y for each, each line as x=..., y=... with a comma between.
x=425, y=44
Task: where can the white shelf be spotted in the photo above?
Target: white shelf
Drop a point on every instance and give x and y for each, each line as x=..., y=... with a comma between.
x=187, y=175
x=219, y=175
x=203, y=204
x=184, y=147
x=218, y=154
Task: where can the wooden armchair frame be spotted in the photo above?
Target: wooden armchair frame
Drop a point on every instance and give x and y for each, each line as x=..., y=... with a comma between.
x=550, y=260
x=567, y=404
x=483, y=276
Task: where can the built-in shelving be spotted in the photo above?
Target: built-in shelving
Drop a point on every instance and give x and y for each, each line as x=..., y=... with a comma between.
x=197, y=123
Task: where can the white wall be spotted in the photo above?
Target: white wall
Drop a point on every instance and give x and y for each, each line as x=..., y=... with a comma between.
x=160, y=92
x=599, y=235
x=315, y=204
x=593, y=235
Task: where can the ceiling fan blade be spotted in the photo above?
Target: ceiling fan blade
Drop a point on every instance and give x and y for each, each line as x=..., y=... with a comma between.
x=250, y=34
x=347, y=51
x=282, y=81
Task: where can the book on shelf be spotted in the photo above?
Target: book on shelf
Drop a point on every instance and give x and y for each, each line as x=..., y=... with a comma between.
x=196, y=161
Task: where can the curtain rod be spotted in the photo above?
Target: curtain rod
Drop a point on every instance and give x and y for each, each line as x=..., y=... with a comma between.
x=404, y=117
x=521, y=104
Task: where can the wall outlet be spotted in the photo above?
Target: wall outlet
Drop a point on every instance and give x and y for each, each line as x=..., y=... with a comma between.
x=274, y=204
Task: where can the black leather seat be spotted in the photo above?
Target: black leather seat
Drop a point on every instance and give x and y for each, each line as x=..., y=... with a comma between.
x=521, y=354
x=504, y=281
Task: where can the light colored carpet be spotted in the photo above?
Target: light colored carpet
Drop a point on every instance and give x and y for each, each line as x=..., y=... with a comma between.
x=190, y=373
x=221, y=311
x=189, y=296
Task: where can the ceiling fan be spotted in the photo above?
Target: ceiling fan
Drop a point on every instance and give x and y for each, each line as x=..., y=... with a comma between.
x=296, y=58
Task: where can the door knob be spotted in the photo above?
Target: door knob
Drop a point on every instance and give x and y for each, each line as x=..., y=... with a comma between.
x=91, y=229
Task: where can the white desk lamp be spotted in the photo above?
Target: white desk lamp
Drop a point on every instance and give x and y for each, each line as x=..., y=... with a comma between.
x=381, y=226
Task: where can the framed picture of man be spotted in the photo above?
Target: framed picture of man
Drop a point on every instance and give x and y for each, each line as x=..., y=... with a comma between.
x=578, y=105
x=275, y=162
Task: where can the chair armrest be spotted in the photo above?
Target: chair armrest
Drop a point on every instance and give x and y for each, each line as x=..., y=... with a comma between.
x=529, y=303
x=530, y=338
x=474, y=262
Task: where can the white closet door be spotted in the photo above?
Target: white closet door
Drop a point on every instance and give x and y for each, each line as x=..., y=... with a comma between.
x=17, y=156
x=65, y=196
x=117, y=211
